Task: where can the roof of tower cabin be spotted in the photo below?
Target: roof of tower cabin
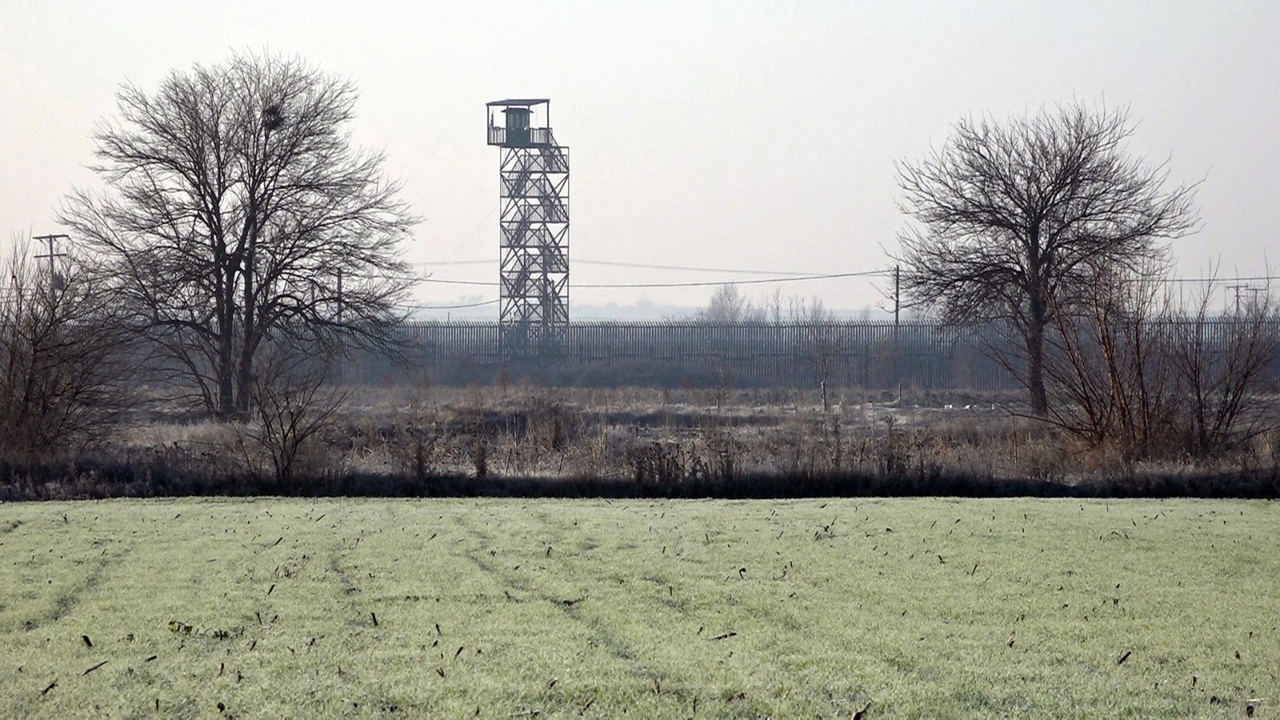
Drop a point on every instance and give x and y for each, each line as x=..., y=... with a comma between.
x=518, y=102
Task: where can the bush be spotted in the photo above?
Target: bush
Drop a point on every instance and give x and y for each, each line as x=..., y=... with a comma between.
x=62, y=358
x=1132, y=370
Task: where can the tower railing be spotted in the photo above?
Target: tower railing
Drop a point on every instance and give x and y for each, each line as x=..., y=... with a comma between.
x=532, y=137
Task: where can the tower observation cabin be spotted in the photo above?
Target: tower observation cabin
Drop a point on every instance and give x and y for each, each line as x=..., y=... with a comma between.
x=534, y=226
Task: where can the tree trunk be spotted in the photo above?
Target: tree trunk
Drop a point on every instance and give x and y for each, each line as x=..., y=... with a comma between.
x=244, y=379
x=244, y=376
x=226, y=387
x=245, y=370
x=1035, y=359
x=226, y=344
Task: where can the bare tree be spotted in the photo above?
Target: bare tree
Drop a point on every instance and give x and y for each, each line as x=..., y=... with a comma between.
x=1011, y=215
x=729, y=305
x=237, y=209
x=818, y=341
x=1109, y=359
x=295, y=406
x=1226, y=366
x=62, y=358
x=1141, y=373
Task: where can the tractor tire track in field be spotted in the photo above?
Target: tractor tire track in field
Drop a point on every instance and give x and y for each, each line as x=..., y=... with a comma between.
x=570, y=608
x=67, y=600
x=364, y=617
x=347, y=590
x=780, y=612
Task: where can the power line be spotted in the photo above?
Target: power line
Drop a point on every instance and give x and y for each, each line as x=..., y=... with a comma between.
x=646, y=266
x=438, y=281
x=715, y=283
x=708, y=283
x=456, y=307
x=1256, y=278
x=492, y=211
x=827, y=276
x=456, y=262
x=790, y=277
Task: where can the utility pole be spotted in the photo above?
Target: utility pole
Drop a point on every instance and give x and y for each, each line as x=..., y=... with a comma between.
x=1237, y=289
x=49, y=240
x=1254, y=293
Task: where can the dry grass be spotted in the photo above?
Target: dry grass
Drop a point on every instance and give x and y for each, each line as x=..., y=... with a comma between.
x=529, y=440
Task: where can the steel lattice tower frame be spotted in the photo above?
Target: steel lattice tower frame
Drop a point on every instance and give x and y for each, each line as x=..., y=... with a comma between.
x=534, y=242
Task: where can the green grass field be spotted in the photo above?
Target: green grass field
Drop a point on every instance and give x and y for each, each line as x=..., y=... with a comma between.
x=927, y=608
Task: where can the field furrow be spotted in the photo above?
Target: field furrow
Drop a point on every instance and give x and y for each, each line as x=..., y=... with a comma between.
x=925, y=608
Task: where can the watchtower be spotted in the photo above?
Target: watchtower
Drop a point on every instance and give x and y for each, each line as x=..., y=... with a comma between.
x=534, y=242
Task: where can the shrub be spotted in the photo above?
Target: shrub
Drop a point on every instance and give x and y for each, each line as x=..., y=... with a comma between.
x=62, y=358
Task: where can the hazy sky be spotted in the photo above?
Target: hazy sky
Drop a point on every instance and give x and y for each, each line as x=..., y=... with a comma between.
x=738, y=135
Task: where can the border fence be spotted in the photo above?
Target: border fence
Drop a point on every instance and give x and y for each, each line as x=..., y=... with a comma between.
x=869, y=355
